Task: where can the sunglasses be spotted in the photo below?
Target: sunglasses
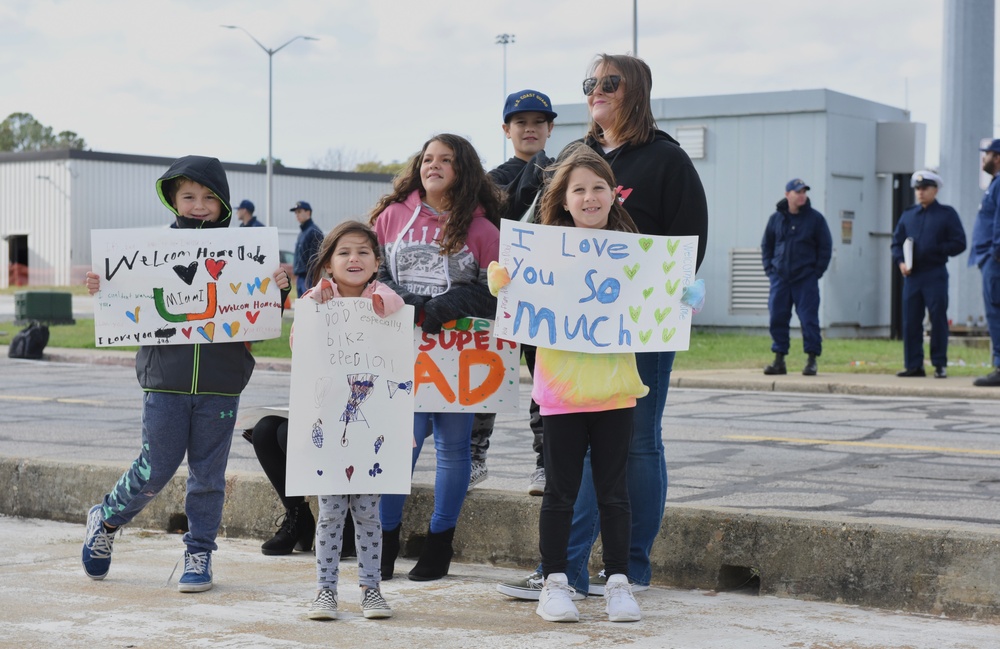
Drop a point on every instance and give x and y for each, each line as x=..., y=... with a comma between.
x=609, y=84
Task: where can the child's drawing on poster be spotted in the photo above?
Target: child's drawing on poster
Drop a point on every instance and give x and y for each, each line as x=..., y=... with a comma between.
x=181, y=287
x=595, y=291
x=464, y=368
x=350, y=421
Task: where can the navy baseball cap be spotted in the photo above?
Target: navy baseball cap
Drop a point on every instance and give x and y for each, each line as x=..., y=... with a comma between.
x=527, y=101
x=796, y=184
x=301, y=205
x=993, y=146
x=245, y=205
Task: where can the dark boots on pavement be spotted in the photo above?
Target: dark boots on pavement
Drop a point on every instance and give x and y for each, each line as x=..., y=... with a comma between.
x=390, y=550
x=296, y=532
x=778, y=366
x=810, y=368
x=435, y=558
x=990, y=380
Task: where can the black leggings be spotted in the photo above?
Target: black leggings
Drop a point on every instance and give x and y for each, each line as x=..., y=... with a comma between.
x=608, y=434
x=270, y=443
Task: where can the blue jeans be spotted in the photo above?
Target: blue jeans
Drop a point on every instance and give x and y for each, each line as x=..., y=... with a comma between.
x=172, y=425
x=452, y=433
x=991, y=302
x=647, y=482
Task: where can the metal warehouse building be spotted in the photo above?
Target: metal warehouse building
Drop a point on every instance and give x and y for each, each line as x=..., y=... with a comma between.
x=51, y=200
x=856, y=155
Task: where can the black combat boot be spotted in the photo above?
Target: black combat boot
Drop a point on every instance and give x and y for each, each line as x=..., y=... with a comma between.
x=296, y=532
x=810, y=368
x=778, y=366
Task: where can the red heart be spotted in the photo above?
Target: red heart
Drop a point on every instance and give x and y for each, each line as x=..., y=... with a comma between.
x=252, y=317
x=215, y=266
x=349, y=471
x=186, y=331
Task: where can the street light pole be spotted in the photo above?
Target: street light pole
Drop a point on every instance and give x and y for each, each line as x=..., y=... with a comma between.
x=270, y=75
x=505, y=39
x=635, y=27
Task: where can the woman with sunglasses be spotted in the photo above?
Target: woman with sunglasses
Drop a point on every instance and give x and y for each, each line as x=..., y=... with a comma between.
x=663, y=194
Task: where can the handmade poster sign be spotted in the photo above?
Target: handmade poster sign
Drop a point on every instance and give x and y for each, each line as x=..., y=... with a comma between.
x=464, y=368
x=594, y=291
x=182, y=287
x=350, y=424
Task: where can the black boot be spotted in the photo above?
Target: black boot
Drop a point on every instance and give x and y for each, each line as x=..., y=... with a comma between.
x=297, y=532
x=810, y=368
x=991, y=380
x=347, y=548
x=778, y=366
x=390, y=550
x=435, y=558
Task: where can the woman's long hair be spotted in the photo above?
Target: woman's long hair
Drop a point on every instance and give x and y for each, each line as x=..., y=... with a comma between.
x=471, y=188
x=633, y=123
x=552, y=211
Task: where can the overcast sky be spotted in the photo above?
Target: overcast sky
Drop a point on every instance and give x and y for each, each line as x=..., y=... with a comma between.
x=159, y=77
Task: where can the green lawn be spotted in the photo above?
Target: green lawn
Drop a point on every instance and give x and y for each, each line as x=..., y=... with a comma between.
x=708, y=351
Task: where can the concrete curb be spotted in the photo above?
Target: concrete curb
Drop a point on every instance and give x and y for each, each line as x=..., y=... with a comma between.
x=931, y=571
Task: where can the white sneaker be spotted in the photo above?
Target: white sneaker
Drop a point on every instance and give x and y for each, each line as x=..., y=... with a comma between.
x=620, y=604
x=555, y=603
x=536, y=483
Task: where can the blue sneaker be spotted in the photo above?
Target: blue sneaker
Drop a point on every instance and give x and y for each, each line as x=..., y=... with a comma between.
x=97, y=545
x=197, y=575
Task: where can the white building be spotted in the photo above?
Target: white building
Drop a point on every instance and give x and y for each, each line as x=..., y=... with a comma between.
x=856, y=155
x=51, y=200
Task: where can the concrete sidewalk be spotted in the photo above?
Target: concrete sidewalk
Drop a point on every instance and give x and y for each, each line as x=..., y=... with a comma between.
x=260, y=602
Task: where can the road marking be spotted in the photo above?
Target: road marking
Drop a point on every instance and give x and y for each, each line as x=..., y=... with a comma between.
x=85, y=402
x=902, y=447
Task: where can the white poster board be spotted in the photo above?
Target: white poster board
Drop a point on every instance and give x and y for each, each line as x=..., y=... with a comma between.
x=594, y=291
x=350, y=424
x=465, y=368
x=185, y=286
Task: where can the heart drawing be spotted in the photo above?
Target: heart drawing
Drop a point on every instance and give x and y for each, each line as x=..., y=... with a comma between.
x=214, y=267
x=133, y=315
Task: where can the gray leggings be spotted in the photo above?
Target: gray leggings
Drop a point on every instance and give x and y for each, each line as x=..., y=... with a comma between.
x=367, y=538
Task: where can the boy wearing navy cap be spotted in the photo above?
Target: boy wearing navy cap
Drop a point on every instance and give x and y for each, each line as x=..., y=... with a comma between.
x=528, y=120
x=795, y=251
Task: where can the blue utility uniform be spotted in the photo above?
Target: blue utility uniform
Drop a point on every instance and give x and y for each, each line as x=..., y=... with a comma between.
x=986, y=255
x=795, y=251
x=306, y=247
x=937, y=234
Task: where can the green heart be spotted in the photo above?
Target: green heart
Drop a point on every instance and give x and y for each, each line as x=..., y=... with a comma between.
x=667, y=267
x=672, y=286
x=660, y=314
x=634, y=311
x=631, y=270
x=645, y=243
x=644, y=335
x=672, y=246
x=668, y=334
x=646, y=292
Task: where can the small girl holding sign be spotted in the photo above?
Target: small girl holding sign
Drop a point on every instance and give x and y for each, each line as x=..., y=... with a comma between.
x=348, y=257
x=586, y=400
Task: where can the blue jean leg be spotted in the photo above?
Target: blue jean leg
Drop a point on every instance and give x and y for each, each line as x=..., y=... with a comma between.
x=452, y=433
x=647, y=481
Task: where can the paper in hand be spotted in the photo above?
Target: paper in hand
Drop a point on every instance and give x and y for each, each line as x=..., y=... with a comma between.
x=908, y=253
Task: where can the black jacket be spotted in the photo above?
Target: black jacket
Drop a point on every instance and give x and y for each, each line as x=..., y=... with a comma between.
x=660, y=188
x=216, y=368
x=520, y=182
x=796, y=246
